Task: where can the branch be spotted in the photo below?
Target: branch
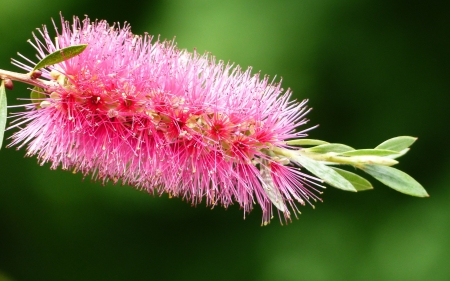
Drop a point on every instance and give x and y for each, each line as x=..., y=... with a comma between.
x=24, y=78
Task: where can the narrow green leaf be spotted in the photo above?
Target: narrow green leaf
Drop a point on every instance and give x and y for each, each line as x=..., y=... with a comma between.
x=60, y=55
x=37, y=96
x=397, y=143
x=369, y=152
x=3, y=111
x=358, y=182
x=305, y=142
x=324, y=172
x=396, y=179
x=330, y=147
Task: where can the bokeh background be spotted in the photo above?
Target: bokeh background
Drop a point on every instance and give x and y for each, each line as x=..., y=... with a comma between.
x=371, y=70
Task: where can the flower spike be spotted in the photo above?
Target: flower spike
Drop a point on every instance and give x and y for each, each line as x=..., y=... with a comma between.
x=125, y=108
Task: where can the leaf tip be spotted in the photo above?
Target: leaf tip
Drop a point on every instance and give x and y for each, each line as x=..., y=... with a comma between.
x=424, y=194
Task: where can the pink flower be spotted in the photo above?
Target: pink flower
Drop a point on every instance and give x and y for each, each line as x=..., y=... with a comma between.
x=164, y=120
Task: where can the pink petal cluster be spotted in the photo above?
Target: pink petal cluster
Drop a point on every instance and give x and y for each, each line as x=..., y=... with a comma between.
x=162, y=119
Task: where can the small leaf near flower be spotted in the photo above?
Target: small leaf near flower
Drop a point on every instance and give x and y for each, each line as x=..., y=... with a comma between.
x=3, y=111
x=358, y=182
x=371, y=152
x=37, y=96
x=325, y=173
x=397, y=143
x=330, y=147
x=60, y=56
x=396, y=179
x=269, y=187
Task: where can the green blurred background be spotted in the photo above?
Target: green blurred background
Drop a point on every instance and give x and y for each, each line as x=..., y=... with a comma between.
x=371, y=69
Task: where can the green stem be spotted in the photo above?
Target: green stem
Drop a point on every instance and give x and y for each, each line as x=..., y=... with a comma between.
x=357, y=161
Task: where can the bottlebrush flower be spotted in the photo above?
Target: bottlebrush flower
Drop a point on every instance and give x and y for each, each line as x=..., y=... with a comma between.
x=164, y=120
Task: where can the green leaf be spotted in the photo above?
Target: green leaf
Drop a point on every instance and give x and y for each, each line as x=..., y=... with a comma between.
x=60, y=55
x=37, y=96
x=369, y=152
x=358, y=182
x=400, y=154
x=330, y=147
x=397, y=143
x=3, y=111
x=305, y=142
x=396, y=179
x=325, y=173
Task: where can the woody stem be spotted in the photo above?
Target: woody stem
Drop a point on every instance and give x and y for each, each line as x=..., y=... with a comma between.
x=24, y=78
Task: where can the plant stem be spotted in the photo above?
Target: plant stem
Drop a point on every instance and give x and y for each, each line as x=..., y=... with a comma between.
x=24, y=78
x=356, y=161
